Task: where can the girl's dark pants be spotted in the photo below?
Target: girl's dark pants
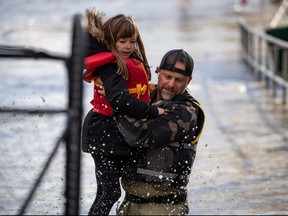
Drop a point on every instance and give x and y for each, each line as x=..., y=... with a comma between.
x=108, y=170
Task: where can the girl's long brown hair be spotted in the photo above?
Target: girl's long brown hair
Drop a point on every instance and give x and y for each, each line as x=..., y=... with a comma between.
x=122, y=26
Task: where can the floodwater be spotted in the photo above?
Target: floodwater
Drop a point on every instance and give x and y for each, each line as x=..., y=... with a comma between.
x=241, y=165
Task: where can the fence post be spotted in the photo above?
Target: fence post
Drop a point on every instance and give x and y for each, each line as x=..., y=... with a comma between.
x=73, y=144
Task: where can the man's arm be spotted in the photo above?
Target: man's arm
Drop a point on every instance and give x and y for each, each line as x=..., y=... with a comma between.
x=179, y=123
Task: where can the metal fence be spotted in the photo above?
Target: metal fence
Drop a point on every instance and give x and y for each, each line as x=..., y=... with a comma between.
x=267, y=58
x=72, y=133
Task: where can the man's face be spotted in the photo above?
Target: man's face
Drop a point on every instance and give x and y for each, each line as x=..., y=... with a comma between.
x=171, y=83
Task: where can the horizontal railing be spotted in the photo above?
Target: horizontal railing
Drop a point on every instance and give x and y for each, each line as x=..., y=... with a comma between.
x=267, y=58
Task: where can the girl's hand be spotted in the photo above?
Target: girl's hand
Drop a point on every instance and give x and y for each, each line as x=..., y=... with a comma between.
x=161, y=111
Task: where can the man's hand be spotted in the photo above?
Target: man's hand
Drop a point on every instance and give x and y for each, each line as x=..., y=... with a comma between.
x=98, y=82
x=101, y=89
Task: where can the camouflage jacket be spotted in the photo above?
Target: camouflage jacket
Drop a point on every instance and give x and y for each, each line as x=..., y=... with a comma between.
x=182, y=122
x=166, y=146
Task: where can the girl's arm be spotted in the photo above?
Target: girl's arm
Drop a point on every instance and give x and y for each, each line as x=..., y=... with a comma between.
x=117, y=94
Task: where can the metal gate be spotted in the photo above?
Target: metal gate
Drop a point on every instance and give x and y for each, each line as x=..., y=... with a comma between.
x=72, y=133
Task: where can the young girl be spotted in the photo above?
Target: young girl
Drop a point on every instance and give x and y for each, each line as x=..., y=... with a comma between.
x=116, y=57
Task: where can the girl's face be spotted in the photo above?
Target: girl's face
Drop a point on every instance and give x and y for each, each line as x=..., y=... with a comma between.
x=126, y=46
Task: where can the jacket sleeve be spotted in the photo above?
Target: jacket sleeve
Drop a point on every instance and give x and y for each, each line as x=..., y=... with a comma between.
x=117, y=94
x=178, y=124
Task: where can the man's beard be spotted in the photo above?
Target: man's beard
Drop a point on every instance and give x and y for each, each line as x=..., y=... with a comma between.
x=167, y=96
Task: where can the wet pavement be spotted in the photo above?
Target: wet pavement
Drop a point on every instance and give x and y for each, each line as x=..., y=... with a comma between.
x=241, y=165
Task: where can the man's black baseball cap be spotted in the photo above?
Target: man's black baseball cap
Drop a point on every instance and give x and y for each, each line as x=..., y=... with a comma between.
x=170, y=58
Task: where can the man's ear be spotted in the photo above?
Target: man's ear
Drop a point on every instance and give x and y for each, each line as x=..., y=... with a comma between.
x=157, y=70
